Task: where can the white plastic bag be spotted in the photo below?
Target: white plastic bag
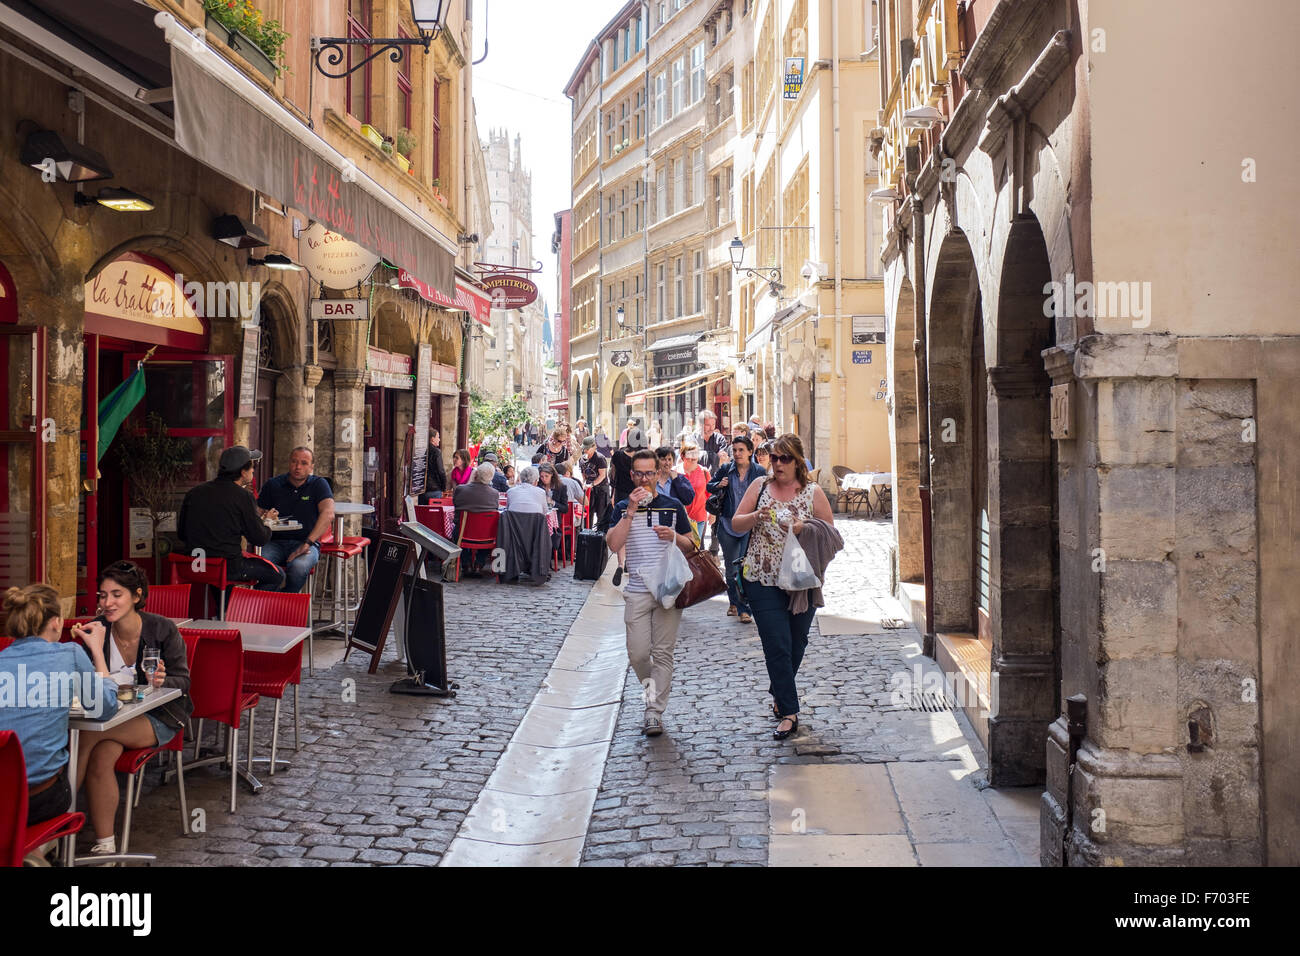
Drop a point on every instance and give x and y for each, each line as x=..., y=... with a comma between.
x=666, y=577
x=796, y=572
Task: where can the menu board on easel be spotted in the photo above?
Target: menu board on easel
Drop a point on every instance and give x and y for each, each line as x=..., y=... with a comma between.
x=379, y=603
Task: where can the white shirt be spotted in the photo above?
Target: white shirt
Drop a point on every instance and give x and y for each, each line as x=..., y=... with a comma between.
x=526, y=498
x=575, y=489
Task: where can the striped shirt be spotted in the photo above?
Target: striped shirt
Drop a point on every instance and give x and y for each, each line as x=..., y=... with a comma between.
x=643, y=544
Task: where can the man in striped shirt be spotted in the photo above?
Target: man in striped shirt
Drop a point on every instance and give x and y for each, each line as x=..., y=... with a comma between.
x=647, y=522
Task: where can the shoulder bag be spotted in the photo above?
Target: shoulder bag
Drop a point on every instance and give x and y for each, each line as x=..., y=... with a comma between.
x=706, y=580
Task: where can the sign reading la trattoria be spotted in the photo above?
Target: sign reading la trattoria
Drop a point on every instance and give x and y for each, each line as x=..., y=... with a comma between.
x=509, y=291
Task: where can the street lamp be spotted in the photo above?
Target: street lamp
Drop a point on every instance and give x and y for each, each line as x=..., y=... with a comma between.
x=769, y=274
x=429, y=20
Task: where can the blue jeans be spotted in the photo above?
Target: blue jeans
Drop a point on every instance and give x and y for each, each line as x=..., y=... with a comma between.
x=733, y=553
x=296, y=571
x=785, y=638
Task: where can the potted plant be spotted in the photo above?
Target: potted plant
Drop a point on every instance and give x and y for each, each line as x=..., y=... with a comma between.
x=246, y=30
x=372, y=134
x=154, y=461
x=437, y=191
x=406, y=142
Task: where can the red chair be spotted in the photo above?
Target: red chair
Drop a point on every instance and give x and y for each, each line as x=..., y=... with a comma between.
x=17, y=839
x=217, y=690
x=268, y=675
x=170, y=600
x=569, y=523
x=181, y=568
x=478, y=532
x=5, y=642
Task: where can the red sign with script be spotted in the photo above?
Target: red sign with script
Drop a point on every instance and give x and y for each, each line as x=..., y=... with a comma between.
x=509, y=292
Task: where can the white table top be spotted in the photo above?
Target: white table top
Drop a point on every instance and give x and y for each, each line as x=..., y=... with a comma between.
x=156, y=697
x=294, y=525
x=867, y=479
x=261, y=638
x=352, y=508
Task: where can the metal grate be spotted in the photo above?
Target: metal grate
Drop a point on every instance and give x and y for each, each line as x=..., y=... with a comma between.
x=931, y=701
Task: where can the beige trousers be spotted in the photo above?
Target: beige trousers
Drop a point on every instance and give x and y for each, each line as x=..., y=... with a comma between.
x=651, y=639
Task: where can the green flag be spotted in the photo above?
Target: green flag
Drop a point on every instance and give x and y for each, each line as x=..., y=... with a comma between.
x=116, y=405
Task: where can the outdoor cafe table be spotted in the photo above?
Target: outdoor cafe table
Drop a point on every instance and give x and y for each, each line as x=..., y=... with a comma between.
x=448, y=515
x=155, y=697
x=260, y=639
x=867, y=480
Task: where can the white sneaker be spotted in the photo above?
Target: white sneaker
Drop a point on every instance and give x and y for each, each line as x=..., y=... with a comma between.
x=100, y=849
x=653, y=726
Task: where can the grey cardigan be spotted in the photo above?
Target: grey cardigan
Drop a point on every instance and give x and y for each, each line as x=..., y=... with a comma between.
x=820, y=542
x=156, y=631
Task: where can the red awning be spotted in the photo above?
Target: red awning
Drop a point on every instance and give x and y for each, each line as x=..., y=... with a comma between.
x=468, y=298
x=561, y=403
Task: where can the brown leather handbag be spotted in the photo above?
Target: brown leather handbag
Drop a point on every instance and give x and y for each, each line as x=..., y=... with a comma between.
x=706, y=580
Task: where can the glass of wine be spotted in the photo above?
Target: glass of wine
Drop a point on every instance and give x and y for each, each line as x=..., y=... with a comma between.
x=150, y=665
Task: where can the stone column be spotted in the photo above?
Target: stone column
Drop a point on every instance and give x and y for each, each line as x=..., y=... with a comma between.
x=1021, y=599
x=295, y=413
x=64, y=371
x=349, y=443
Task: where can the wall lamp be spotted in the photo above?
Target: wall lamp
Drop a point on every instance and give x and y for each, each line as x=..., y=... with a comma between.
x=235, y=232
x=114, y=197
x=769, y=274
x=275, y=260
x=429, y=20
x=45, y=149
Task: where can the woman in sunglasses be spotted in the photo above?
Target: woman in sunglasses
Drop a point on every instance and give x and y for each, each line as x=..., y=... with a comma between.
x=734, y=479
x=786, y=503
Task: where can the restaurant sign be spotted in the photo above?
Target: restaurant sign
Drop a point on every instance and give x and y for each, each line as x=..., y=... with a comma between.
x=682, y=355
x=388, y=369
x=335, y=261
x=138, y=298
x=509, y=291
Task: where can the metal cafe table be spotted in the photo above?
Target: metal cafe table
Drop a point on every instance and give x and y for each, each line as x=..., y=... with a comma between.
x=154, y=697
x=260, y=639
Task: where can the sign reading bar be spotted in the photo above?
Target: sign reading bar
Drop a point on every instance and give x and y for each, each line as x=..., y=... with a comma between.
x=340, y=310
x=509, y=292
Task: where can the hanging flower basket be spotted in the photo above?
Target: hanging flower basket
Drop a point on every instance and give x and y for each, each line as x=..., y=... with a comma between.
x=246, y=30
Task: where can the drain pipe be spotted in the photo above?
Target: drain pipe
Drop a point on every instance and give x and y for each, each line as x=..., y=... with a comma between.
x=839, y=260
x=923, y=410
x=1076, y=712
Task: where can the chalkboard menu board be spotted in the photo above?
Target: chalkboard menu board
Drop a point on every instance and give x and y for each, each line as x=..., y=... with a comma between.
x=383, y=588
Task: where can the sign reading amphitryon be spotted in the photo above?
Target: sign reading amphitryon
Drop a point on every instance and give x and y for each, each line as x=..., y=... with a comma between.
x=509, y=291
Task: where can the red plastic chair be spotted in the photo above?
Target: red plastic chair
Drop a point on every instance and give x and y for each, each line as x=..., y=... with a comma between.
x=181, y=568
x=169, y=600
x=17, y=839
x=268, y=675
x=569, y=523
x=217, y=690
x=478, y=532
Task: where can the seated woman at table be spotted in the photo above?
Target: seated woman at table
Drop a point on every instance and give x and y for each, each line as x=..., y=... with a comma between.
x=509, y=472
x=557, y=497
x=61, y=671
x=122, y=642
x=460, y=467
x=476, y=495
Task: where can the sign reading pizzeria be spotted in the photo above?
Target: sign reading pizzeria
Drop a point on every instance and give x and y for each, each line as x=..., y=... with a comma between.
x=336, y=261
x=509, y=291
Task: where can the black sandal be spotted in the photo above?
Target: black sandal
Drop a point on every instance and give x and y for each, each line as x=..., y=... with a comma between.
x=776, y=712
x=783, y=734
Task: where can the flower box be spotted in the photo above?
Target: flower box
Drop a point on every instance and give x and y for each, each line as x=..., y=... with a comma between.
x=372, y=134
x=403, y=162
x=242, y=45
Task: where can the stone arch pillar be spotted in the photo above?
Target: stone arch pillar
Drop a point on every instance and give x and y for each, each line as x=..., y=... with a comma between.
x=904, y=438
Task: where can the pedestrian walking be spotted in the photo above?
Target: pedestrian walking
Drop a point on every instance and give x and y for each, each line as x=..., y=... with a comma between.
x=734, y=481
x=786, y=503
x=620, y=466
x=651, y=627
x=595, y=472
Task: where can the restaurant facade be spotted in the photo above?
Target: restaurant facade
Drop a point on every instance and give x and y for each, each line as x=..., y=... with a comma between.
x=276, y=277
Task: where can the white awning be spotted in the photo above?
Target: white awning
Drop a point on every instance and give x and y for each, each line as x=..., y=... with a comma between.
x=677, y=385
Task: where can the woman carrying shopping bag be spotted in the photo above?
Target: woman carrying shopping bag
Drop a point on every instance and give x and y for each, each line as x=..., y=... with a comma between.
x=792, y=538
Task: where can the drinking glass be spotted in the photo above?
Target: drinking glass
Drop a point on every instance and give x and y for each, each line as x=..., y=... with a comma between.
x=150, y=664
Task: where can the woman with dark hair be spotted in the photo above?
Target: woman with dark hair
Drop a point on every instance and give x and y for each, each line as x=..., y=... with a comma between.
x=509, y=472
x=125, y=635
x=786, y=503
x=33, y=619
x=557, y=496
x=763, y=455
x=734, y=480
x=461, y=468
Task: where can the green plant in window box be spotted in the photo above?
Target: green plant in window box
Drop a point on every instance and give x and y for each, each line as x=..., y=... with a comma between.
x=405, y=142
x=243, y=21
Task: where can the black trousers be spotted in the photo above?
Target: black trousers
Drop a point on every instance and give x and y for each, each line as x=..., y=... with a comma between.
x=599, y=505
x=265, y=575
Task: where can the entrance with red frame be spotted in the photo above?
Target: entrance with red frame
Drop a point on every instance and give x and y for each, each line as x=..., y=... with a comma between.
x=23, y=430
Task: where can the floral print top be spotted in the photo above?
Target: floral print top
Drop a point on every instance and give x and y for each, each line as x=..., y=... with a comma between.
x=767, y=540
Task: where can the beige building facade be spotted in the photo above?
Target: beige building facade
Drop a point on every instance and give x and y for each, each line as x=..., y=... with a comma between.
x=1089, y=348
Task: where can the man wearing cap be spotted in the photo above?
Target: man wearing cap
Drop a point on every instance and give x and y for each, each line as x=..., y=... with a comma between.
x=499, y=480
x=301, y=496
x=216, y=514
x=595, y=472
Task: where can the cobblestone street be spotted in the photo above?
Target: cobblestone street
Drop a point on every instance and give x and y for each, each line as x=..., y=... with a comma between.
x=388, y=779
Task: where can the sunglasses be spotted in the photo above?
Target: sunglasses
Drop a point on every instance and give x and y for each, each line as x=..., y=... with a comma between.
x=783, y=459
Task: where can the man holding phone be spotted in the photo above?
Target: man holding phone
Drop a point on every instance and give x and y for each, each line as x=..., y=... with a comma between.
x=647, y=522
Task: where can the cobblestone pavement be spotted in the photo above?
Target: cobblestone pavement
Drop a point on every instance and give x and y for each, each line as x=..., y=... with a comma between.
x=699, y=793
x=387, y=779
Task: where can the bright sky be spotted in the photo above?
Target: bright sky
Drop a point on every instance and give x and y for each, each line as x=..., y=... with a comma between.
x=533, y=49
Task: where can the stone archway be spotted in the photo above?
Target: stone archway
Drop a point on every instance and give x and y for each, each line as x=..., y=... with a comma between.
x=905, y=439
x=1024, y=623
x=954, y=317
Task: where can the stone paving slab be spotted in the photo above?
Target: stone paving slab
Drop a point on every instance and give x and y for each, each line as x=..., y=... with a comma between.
x=809, y=850
x=839, y=799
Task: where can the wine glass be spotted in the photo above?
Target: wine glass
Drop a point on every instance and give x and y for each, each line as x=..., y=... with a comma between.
x=150, y=664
